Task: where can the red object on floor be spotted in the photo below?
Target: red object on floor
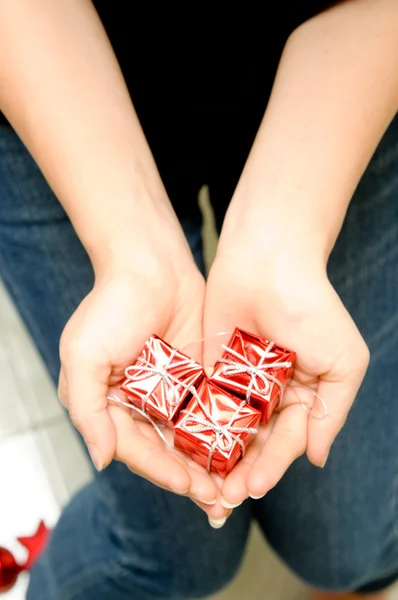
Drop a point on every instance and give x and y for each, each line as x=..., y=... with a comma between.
x=10, y=569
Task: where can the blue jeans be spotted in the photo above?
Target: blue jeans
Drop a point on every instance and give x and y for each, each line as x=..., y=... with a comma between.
x=121, y=537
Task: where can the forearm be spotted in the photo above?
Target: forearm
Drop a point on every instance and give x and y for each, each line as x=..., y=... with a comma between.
x=62, y=90
x=335, y=93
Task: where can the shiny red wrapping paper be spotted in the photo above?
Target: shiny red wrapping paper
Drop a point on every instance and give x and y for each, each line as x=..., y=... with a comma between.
x=158, y=381
x=211, y=436
x=236, y=374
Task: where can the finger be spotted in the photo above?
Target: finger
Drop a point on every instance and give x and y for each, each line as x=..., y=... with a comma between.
x=338, y=393
x=88, y=408
x=203, y=488
x=219, y=316
x=147, y=456
x=338, y=398
x=287, y=441
x=235, y=489
x=215, y=513
x=217, y=521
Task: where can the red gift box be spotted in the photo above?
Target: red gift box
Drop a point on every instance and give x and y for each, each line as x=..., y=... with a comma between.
x=158, y=383
x=215, y=428
x=256, y=370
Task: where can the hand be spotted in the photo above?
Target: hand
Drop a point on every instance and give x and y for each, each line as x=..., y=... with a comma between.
x=155, y=294
x=285, y=297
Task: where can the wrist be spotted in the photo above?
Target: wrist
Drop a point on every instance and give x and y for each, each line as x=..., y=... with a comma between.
x=135, y=231
x=255, y=229
x=154, y=248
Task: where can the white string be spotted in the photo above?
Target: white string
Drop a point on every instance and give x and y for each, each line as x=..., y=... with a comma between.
x=114, y=398
x=205, y=339
x=308, y=409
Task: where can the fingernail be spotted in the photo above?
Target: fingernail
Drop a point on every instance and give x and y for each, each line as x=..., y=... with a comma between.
x=228, y=504
x=217, y=523
x=95, y=456
x=256, y=497
x=325, y=459
x=208, y=502
x=179, y=492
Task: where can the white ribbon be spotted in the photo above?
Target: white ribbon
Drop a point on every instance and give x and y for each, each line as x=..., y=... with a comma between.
x=258, y=373
x=171, y=386
x=225, y=435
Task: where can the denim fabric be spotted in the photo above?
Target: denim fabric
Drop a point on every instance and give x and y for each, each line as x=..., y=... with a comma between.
x=121, y=537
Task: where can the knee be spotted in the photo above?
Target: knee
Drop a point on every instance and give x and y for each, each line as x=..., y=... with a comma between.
x=195, y=568
x=129, y=578
x=202, y=585
x=332, y=567
x=174, y=580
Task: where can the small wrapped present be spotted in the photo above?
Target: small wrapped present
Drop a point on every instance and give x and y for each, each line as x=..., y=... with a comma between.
x=256, y=370
x=160, y=381
x=215, y=428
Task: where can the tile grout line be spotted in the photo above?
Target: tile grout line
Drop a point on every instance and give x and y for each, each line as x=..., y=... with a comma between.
x=33, y=428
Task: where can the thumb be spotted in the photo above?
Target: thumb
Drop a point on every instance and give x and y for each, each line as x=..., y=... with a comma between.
x=88, y=409
x=338, y=397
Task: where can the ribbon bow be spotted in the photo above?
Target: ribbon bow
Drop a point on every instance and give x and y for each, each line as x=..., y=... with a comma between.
x=258, y=373
x=171, y=385
x=225, y=435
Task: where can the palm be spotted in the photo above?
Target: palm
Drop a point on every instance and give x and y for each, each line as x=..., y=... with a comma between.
x=305, y=315
x=104, y=336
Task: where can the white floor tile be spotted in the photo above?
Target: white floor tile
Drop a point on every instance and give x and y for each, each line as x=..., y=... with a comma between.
x=13, y=413
x=65, y=461
x=22, y=367
x=33, y=381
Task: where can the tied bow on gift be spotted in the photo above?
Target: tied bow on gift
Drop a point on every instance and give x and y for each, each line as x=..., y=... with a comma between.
x=171, y=385
x=260, y=378
x=225, y=435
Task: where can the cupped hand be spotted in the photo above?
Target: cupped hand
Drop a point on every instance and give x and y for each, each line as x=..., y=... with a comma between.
x=285, y=296
x=130, y=301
